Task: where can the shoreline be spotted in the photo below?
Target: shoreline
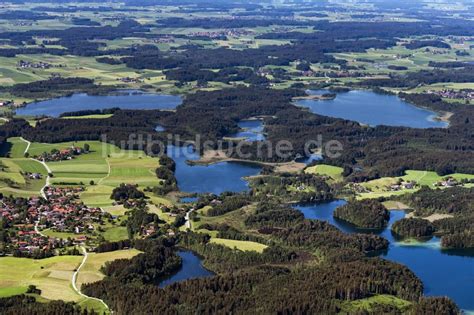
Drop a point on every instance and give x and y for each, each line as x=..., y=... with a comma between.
x=218, y=156
x=117, y=91
x=315, y=97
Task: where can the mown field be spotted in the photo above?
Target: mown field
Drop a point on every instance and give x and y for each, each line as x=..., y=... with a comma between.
x=12, y=182
x=381, y=187
x=100, y=171
x=53, y=276
x=334, y=172
x=90, y=272
x=240, y=245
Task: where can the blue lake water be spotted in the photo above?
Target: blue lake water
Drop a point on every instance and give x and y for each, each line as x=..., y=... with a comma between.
x=310, y=159
x=214, y=178
x=191, y=269
x=159, y=128
x=81, y=101
x=252, y=130
x=188, y=199
x=444, y=273
x=372, y=109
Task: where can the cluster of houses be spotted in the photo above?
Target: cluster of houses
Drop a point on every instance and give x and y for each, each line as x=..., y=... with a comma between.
x=164, y=40
x=61, y=155
x=130, y=80
x=33, y=175
x=6, y=103
x=22, y=23
x=27, y=241
x=358, y=188
x=66, y=213
x=222, y=33
x=453, y=94
x=62, y=211
x=22, y=64
x=448, y=182
x=403, y=185
x=263, y=72
x=460, y=40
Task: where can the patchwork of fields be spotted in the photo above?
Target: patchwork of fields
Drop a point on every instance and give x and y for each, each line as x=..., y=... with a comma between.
x=101, y=170
x=53, y=275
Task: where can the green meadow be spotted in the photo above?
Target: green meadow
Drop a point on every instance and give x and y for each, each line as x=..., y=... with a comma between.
x=12, y=168
x=53, y=276
x=326, y=170
x=100, y=171
x=240, y=245
x=381, y=187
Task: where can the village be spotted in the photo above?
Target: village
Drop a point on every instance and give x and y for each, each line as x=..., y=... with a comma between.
x=466, y=94
x=22, y=64
x=222, y=33
x=62, y=155
x=62, y=212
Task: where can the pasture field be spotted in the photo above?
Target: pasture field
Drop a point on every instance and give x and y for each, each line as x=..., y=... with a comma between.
x=77, y=66
x=381, y=187
x=370, y=304
x=53, y=276
x=97, y=116
x=90, y=272
x=17, y=147
x=233, y=218
x=12, y=182
x=326, y=170
x=162, y=215
x=99, y=171
x=115, y=233
x=240, y=245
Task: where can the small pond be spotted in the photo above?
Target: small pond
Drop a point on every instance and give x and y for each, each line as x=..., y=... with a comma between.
x=191, y=269
x=252, y=130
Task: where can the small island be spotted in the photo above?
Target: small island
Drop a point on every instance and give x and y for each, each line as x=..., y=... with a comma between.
x=369, y=214
x=413, y=228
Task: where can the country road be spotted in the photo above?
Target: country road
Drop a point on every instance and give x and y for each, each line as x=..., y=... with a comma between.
x=28, y=144
x=48, y=179
x=74, y=279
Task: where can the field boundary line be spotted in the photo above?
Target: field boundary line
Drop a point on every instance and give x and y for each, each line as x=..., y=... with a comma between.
x=108, y=172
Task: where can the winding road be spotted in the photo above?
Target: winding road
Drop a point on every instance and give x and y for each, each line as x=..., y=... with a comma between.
x=48, y=178
x=84, y=251
x=74, y=280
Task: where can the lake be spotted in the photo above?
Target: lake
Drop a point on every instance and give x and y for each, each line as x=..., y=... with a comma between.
x=314, y=157
x=159, y=128
x=252, y=130
x=372, y=109
x=191, y=269
x=444, y=273
x=214, y=178
x=129, y=99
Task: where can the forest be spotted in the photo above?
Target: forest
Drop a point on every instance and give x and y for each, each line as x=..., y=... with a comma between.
x=457, y=228
x=367, y=213
x=413, y=228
